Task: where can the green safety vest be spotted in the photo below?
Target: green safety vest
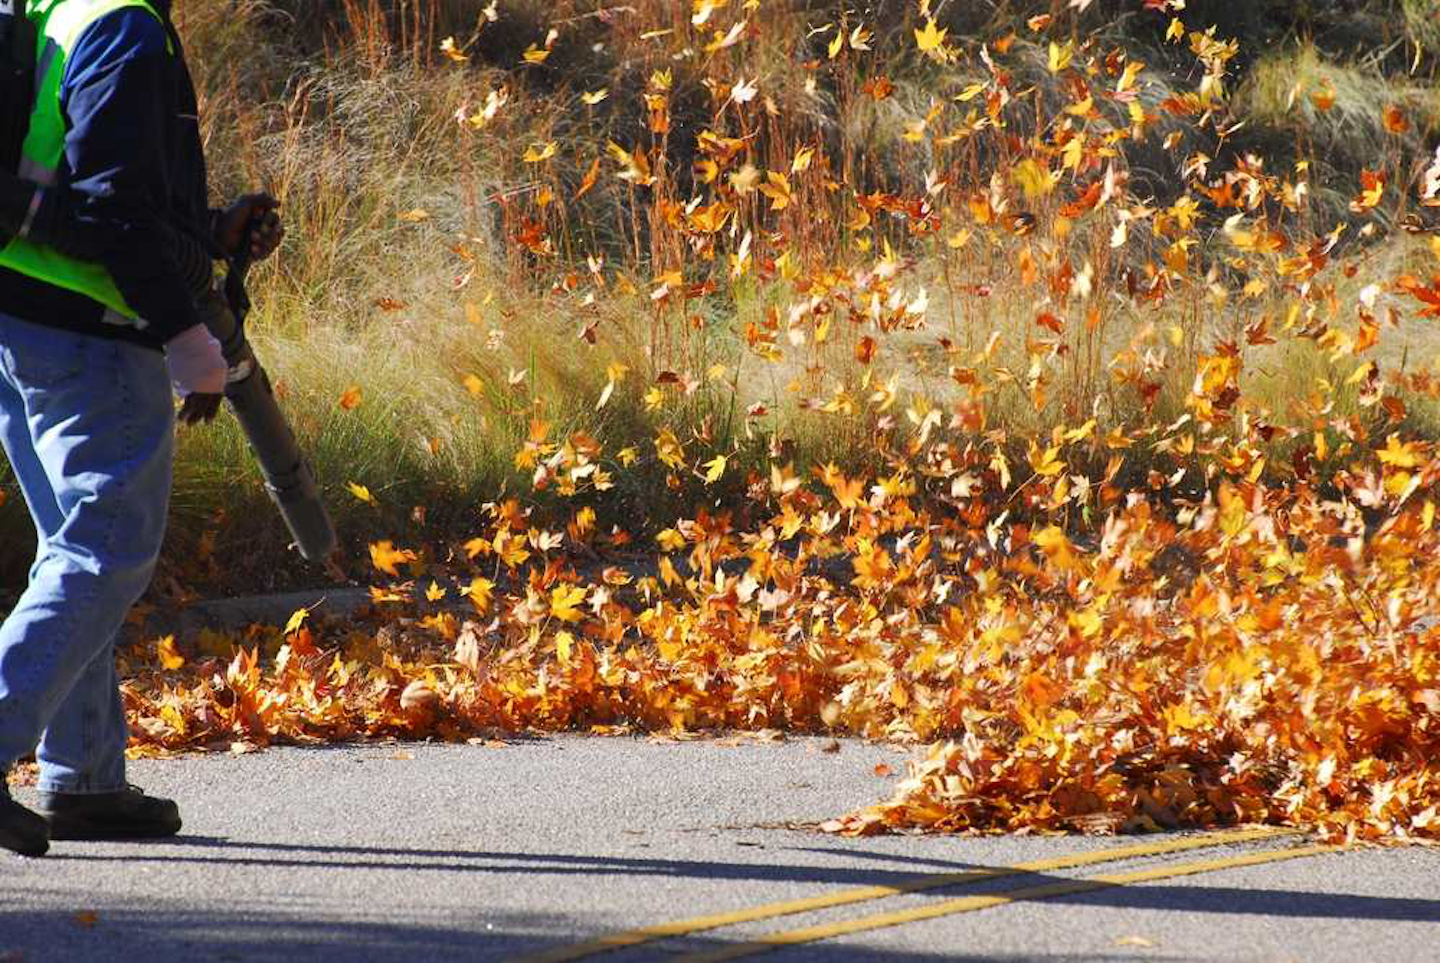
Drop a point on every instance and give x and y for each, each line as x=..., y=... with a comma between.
x=58, y=25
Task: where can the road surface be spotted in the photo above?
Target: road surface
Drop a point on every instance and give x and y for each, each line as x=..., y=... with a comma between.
x=535, y=850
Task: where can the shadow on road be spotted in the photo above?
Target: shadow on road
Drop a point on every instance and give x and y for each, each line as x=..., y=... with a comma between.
x=1189, y=897
x=222, y=936
x=122, y=937
x=309, y=856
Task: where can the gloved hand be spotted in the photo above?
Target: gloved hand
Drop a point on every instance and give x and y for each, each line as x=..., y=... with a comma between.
x=198, y=371
x=17, y=200
x=251, y=220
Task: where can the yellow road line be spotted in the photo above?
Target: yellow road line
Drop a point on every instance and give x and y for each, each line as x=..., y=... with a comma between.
x=861, y=894
x=969, y=904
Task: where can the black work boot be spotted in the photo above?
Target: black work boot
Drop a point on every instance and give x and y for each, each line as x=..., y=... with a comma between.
x=21, y=831
x=127, y=814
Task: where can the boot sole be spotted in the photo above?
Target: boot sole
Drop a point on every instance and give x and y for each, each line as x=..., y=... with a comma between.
x=24, y=845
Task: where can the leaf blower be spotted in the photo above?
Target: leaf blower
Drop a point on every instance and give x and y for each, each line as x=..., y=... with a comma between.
x=288, y=475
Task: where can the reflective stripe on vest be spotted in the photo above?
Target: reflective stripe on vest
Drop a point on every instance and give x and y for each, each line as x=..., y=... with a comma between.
x=58, y=25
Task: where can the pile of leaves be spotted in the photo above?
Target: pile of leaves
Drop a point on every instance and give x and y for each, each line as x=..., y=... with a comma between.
x=1089, y=552
x=1271, y=655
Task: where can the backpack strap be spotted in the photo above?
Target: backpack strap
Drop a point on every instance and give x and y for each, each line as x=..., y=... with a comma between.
x=17, y=80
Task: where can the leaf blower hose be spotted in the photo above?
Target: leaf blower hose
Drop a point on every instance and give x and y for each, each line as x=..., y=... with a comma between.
x=288, y=475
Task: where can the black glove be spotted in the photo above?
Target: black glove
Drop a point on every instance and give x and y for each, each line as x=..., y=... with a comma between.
x=254, y=220
x=17, y=201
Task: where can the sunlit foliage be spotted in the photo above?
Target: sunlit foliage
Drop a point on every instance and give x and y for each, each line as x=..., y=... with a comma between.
x=1136, y=515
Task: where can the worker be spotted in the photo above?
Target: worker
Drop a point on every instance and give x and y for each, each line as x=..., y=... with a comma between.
x=112, y=167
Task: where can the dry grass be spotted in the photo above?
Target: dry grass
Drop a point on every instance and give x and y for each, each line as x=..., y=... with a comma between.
x=461, y=339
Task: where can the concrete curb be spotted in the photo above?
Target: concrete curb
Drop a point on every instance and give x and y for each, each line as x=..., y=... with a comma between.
x=228, y=615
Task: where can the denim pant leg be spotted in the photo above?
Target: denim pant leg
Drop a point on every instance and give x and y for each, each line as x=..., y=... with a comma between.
x=87, y=734
x=83, y=748
x=88, y=426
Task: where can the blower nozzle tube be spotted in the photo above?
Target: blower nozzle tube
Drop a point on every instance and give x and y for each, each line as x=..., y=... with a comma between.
x=288, y=475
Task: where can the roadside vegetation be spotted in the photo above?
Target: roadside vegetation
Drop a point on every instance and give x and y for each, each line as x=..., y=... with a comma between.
x=470, y=259
x=1054, y=380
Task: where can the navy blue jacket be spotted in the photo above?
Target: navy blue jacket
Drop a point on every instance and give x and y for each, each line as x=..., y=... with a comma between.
x=131, y=190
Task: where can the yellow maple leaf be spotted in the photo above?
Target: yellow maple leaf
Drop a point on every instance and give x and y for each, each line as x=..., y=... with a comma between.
x=1127, y=79
x=931, y=37
x=1045, y=463
x=585, y=520
x=479, y=592
x=565, y=601
x=971, y=92
x=728, y=39
x=535, y=153
x=360, y=492
x=636, y=165
x=1080, y=434
x=714, y=468
x=1087, y=621
x=511, y=549
x=702, y=9
x=777, y=189
x=170, y=657
x=385, y=557
x=297, y=619
x=668, y=447
x=1034, y=178
x=1372, y=191
x=564, y=646
x=1399, y=455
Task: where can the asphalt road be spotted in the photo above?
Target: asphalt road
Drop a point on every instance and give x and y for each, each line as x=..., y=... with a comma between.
x=421, y=853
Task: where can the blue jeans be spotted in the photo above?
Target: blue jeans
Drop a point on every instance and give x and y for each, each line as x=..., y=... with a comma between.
x=88, y=426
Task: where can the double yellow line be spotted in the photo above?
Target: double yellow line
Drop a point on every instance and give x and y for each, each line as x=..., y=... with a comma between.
x=968, y=904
